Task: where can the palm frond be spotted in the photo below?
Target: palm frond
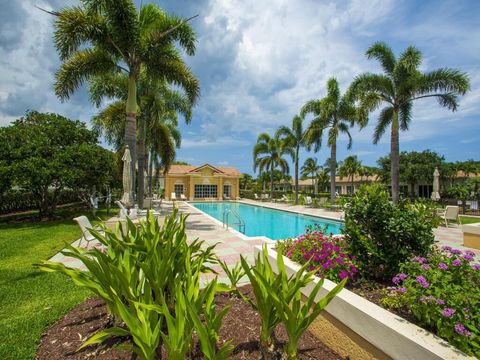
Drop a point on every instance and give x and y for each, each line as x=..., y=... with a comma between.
x=344, y=128
x=109, y=85
x=79, y=67
x=110, y=122
x=405, y=115
x=385, y=118
x=443, y=80
x=383, y=53
x=310, y=107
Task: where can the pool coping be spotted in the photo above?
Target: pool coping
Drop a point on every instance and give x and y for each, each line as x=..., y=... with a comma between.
x=292, y=211
x=230, y=229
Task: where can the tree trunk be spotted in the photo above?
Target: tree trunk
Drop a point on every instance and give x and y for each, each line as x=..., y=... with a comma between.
x=150, y=174
x=296, y=176
x=395, y=158
x=141, y=162
x=271, y=182
x=333, y=170
x=131, y=125
x=353, y=176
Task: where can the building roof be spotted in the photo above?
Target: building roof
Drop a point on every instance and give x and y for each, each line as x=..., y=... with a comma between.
x=191, y=170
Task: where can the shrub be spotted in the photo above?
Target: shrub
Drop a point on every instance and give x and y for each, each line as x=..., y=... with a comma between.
x=382, y=235
x=279, y=300
x=326, y=254
x=442, y=290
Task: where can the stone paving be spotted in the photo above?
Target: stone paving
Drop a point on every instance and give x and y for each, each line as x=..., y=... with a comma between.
x=231, y=244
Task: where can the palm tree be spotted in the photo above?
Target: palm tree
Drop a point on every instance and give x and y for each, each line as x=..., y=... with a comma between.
x=268, y=154
x=159, y=105
x=350, y=167
x=293, y=138
x=104, y=37
x=398, y=87
x=310, y=168
x=336, y=113
x=322, y=179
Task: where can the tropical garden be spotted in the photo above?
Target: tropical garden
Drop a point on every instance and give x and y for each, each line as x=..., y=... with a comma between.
x=151, y=292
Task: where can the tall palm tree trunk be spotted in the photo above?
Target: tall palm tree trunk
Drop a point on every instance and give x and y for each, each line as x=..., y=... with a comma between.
x=271, y=182
x=141, y=163
x=333, y=170
x=395, y=158
x=131, y=125
x=296, y=176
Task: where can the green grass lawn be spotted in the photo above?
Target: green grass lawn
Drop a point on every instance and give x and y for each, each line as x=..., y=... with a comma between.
x=31, y=300
x=464, y=219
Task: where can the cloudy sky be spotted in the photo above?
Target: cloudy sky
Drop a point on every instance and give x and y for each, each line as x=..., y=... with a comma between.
x=259, y=61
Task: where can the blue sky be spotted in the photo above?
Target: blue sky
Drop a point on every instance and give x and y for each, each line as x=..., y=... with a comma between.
x=259, y=61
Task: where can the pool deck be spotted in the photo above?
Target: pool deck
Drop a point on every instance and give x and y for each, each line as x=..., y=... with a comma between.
x=231, y=244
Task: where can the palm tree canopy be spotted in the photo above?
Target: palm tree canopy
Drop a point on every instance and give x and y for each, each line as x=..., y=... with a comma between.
x=310, y=166
x=293, y=137
x=268, y=153
x=334, y=111
x=401, y=83
x=105, y=36
x=350, y=167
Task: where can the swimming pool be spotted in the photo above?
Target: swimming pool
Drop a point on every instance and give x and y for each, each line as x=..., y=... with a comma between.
x=262, y=221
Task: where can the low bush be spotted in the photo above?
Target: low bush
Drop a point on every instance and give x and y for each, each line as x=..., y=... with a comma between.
x=382, y=235
x=442, y=290
x=326, y=254
x=278, y=299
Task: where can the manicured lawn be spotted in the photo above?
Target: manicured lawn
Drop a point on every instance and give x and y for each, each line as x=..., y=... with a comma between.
x=30, y=299
x=469, y=219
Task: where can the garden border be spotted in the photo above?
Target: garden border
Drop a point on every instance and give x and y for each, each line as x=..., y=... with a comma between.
x=389, y=333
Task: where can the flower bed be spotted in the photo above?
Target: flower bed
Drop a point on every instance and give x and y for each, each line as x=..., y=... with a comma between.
x=440, y=292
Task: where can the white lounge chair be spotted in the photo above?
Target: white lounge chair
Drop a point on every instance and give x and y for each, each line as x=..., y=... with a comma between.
x=85, y=227
x=308, y=200
x=449, y=214
x=173, y=196
x=256, y=197
x=183, y=197
x=284, y=198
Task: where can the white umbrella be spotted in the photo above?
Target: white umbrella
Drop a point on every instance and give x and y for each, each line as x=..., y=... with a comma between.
x=436, y=185
x=127, y=177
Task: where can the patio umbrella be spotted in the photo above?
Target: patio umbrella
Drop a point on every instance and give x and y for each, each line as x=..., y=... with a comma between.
x=436, y=185
x=127, y=177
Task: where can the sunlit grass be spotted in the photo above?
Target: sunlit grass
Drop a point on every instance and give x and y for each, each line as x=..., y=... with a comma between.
x=31, y=300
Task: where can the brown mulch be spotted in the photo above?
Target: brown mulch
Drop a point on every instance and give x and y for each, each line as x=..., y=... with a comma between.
x=242, y=324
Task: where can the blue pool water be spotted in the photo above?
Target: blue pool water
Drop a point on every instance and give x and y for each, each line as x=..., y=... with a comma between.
x=261, y=221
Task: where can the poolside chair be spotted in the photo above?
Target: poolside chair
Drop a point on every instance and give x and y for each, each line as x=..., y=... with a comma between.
x=173, y=196
x=123, y=209
x=284, y=198
x=85, y=227
x=449, y=214
x=225, y=197
x=183, y=197
x=147, y=203
x=256, y=197
x=308, y=200
x=265, y=197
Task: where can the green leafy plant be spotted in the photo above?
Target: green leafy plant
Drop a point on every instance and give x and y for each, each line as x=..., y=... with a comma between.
x=279, y=300
x=295, y=314
x=208, y=330
x=234, y=274
x=147, y=276
x=382, y=235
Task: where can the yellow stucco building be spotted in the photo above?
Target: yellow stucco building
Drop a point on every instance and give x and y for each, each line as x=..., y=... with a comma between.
x=204, y=182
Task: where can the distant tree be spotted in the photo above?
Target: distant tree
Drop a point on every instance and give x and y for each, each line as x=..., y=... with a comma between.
x=323, y=180
x=294, y=138
x=49, y=153
x=350, y=167
x=336, y=113
x=398, y=87
x=268, y=153
x=175, y=162
x=310, y=168
x=415, y=167
x=246, y=181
